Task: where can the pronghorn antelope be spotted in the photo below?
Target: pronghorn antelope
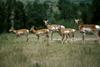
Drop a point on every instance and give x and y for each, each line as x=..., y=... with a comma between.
x=72, y=31
x=20, y=32
x=87, y=28
x=44, y=32
x=52, y=27
x=66, y=33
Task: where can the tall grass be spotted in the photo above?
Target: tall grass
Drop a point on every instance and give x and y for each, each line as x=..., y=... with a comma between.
x=16, y=52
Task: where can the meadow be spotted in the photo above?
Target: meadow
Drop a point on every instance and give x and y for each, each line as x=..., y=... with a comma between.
x=16, y=52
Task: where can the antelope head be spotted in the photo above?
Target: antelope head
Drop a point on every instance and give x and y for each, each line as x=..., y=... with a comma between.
x=12, y=30
x=77, y=21
x=46, y=22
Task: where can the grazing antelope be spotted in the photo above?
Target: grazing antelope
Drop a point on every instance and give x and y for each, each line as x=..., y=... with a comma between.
x=72, y=31
x=20, y=32
x=39, y=32
x=87, y=28
x=66, y=33
x=52, y=27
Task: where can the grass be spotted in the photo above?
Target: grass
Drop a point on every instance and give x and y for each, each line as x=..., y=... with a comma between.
x=16, y=52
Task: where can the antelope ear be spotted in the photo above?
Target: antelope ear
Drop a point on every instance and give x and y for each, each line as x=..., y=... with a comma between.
x=46, y=22
x=32, y=28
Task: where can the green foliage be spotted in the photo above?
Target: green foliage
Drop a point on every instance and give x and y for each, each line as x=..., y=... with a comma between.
x=86, y=13
x=68, y=9
x=96, y=11
x=4, y=16
x=20, y=17
x=37, y=11
x=67, y=23
x=59, y=12
x=1, y=15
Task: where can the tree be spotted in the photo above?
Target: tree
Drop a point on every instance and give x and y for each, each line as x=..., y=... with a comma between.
x=95, y=8
x=36, y=12
x=67, y=9
x=2, y=16
x=20, y=17
x=6, y=9
x=85, y=12
x=50, y=11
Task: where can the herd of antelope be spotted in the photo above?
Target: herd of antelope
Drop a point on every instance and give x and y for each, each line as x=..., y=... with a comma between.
x=65, y=33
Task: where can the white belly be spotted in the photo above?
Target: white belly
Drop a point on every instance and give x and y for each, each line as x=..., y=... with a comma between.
x=86, y=30
x=66, y=31
x=21, y=32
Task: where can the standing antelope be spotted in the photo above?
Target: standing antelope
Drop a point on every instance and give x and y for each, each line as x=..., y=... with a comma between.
x=52, y=27
x=86, y=28
x=20, y=32
x=66, y=33
x=44, y=32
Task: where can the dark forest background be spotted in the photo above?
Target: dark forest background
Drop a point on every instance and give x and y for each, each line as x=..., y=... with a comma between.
x=24, y=15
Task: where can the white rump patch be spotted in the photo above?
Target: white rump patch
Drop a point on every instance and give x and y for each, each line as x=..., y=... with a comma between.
x=48, y=30
x=97, y=27
x=62, y=26
x=87, y=29
x=53, y=28
x=73, y=30
x=27, y=30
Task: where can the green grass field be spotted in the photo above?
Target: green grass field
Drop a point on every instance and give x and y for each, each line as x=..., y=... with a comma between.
x=16, y=52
